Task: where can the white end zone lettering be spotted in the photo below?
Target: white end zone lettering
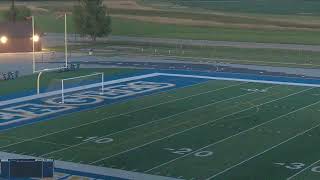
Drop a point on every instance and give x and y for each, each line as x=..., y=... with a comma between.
x=27, y=112
x=125, y=90
x=134, y=88
x=37, y=110
x=8, y=117
x=52, y=105
x=75, y=99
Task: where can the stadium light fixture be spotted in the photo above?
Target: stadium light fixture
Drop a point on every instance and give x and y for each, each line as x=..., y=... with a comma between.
x=3, y=39
x=35, y=38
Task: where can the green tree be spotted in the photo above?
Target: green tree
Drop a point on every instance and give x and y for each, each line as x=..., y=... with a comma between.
x=17, y=13
x=92, y=18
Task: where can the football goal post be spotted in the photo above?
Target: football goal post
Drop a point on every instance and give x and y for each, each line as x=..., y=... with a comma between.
x=81, y=83
x=59, y=62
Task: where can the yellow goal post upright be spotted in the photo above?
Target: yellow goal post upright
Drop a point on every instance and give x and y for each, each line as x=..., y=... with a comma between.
x=34, y=70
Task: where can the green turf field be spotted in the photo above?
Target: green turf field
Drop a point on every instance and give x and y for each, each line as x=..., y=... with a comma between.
x=213, y=130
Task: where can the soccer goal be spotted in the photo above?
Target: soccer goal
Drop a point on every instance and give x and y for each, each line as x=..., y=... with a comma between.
x=95, y=80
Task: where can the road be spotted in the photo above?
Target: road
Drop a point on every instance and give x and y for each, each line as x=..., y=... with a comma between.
x=55, y=39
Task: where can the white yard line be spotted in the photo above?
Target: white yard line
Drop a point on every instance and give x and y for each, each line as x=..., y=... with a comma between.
x=296, y=174
x=151, y=122
x=267, y=150
x=194, y=95
x=123, y=114
x=186, y=130
x=230, y=137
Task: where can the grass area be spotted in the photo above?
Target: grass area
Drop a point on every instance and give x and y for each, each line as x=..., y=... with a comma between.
x=2, y=16
x=248, y=6
x=126, y=27
x=214, y=130
x=28, y=83
x=48, y=22
x=226, y=18
x=51, y=23
x=147, y=29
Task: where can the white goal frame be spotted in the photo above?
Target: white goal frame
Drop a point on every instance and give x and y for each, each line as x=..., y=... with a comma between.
x=63, y=91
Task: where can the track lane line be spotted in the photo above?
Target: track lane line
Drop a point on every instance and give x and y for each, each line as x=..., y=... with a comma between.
x=209, y=122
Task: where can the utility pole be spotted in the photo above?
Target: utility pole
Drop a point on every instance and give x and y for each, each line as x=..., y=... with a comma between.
x=13, y=11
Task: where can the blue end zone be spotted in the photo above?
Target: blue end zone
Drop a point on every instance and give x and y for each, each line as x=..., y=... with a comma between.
x=69, y=174
x=40, y=109
x=107, y=78
x=36, y=110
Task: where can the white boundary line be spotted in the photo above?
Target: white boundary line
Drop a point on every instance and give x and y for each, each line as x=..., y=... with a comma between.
x=18, y=100
x=240, y=79
x=296, y=174
x=225, y=139
x=203, y=124
x=114, y=116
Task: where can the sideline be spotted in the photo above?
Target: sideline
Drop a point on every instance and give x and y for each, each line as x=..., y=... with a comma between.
x=89, y=171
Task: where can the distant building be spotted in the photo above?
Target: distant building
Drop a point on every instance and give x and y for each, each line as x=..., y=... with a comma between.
x=17, y=37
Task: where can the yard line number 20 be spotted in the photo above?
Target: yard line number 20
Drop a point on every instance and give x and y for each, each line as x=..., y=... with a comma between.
x=185, y=151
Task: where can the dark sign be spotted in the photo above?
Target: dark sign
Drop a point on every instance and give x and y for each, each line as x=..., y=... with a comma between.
x=27, y=168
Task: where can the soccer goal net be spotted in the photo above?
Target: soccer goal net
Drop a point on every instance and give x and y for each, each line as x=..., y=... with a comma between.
x=93, y=81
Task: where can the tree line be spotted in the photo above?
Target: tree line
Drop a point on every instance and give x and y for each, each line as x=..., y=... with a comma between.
x=91, y=17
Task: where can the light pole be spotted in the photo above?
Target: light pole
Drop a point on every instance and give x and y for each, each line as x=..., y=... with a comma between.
x=33, y=48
